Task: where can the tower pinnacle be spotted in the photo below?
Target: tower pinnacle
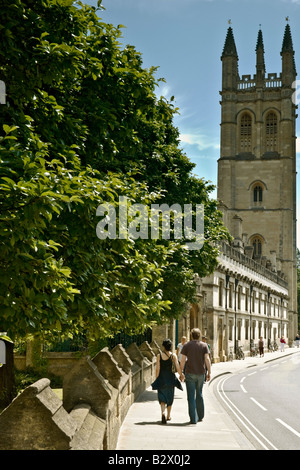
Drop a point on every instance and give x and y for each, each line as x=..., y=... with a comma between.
x=288, y=62
x=287, y=44
x=229, y=46
x=260, y=60
x=260, y=43
x=230, y=74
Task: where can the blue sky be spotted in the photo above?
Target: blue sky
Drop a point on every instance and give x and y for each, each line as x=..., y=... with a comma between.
x=185, y=39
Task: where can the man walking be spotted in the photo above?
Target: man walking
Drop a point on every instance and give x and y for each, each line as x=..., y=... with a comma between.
x=197, y=355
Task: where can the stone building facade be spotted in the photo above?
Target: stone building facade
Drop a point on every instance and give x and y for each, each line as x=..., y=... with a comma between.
x=253, y=291
x=257, y=165
x=242, y=301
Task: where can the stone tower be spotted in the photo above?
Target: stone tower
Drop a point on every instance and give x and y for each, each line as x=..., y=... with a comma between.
x=257, y=165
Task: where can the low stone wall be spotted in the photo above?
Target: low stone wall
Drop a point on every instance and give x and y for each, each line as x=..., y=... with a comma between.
x=58, y=363
x=97, y=394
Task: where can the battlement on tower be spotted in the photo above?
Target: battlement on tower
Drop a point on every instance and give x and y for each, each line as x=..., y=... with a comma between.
x=272, y=80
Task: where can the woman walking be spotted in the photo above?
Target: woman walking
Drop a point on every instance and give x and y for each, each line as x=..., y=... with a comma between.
x=282, y=341
x=166, y=380
x=261, y=346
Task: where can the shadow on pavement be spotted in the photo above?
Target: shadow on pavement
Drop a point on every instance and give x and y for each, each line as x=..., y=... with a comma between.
x=143, y=423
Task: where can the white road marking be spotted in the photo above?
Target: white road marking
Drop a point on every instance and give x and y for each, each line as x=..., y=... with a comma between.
x=258, y=404
x=243, y=418
x=288, y=427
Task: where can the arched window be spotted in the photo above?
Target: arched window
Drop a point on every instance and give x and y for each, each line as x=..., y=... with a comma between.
x=246, y=133
x=271, y=132
x=257, y=193
x=257, y=244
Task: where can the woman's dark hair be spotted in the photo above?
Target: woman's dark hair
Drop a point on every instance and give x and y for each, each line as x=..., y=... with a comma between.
x=167, y=344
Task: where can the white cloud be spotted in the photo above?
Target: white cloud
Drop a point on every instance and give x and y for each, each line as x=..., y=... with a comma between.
x=163, y=90
x=201, y=141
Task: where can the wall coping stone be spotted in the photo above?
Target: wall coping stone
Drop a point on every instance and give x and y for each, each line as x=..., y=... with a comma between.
x=84, y=384
x=136, y=355
x=36, y=420
x=122, y=358
x=147, y=351
x=108, y=367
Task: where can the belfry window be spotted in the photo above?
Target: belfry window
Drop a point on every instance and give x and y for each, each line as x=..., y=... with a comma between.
x=271, y=132
x=257, y=245
x=246, y=133
x=257, y=193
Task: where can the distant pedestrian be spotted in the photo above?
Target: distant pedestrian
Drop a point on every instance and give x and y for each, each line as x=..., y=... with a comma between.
x=195, y=354
x=204, y=339
x=166, y=380
x=282, y=343
x=261, y=346
x=297, y=340
x=179, y=348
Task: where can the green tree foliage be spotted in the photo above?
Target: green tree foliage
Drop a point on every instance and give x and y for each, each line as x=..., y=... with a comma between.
x=82, y=126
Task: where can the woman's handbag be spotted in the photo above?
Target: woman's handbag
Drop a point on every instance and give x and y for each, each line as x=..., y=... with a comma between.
x=177, y=382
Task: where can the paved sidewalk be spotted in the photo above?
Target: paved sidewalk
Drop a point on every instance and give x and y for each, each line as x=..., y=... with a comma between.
x=142, y=428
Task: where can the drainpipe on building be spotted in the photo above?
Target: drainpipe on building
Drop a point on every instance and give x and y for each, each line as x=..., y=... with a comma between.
x=226, y=297
x=269, y=332
x=236, y=282
x=251, y=290
x=281, y=332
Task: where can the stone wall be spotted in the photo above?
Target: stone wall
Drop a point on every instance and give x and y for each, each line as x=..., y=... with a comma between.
x=58, y=363
x=97, y=394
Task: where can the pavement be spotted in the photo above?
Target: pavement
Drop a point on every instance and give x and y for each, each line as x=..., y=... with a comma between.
x=142, y=428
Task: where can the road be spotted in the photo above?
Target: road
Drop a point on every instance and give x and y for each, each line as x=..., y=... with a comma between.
x=264, y=403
